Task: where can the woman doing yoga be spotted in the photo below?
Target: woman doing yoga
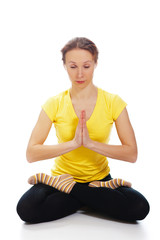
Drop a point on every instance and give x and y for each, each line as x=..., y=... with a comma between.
x=83, y=117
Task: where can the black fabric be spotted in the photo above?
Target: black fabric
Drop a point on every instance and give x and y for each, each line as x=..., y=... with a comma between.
x=42, y=203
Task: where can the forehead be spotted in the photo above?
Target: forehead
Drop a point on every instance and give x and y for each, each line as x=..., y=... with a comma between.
x=78, y=56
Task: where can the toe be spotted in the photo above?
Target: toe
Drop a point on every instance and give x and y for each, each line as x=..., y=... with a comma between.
x=31, y=180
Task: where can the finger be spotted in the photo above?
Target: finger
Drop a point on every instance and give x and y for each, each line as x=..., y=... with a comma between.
x=81, y=122
x=84, y=123
x=82, y=111
x=83, y=114
x=84, y=118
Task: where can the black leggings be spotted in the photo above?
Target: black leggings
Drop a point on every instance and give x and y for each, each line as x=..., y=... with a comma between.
x=43, y=203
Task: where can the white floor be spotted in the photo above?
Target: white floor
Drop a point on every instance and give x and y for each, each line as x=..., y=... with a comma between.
x=81, y=225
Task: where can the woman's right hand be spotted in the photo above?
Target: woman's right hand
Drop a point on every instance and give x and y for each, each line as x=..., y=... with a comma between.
x=78, y=138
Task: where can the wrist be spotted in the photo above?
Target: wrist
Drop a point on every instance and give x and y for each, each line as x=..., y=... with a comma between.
x=90, y=145
x=74, y=144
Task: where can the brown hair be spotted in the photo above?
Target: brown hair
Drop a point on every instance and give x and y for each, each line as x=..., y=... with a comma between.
x=81, y=43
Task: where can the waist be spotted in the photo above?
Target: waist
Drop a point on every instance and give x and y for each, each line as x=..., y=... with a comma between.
x=84, y=169
x=106, y=178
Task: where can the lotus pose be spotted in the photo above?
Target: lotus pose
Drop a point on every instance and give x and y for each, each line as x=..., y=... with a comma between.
x=83, y=116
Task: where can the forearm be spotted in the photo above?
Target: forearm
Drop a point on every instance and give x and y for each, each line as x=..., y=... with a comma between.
x=120, y=152
x=41, y=152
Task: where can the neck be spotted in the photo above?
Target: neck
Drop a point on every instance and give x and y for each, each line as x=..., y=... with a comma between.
x=80, y=94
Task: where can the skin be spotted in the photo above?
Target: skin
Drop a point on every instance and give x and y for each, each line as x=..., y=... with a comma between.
x=80, y=65
x=75, y=65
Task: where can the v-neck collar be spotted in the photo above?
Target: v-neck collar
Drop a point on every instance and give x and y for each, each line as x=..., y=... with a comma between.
x=92, y=115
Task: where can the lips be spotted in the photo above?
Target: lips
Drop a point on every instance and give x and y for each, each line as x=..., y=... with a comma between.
x=80, y=82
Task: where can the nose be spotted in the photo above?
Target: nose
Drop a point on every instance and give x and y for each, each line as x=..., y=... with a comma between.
x=80, y=73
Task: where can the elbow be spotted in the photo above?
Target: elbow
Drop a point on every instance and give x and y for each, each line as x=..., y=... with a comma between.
x=29, y=156
x=29, y=160
x=134, y=159
x=134, y=156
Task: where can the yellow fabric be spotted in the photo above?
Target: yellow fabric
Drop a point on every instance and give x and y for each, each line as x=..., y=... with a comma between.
x=83, y=164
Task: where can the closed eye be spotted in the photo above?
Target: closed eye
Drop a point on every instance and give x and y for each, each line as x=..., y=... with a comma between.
x=76, y=66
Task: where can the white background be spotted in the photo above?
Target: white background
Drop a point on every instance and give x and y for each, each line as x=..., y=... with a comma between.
x=32, y=33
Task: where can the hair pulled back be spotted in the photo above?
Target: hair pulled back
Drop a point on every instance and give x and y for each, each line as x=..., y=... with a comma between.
x=80, y=43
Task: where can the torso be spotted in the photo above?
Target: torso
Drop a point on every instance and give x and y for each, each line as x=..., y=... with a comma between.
x=87, y=106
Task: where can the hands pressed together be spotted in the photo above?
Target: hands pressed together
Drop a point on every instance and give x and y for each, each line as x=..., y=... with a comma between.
x=81, y=135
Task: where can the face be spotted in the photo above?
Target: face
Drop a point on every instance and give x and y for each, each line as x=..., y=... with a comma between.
x=80, y=66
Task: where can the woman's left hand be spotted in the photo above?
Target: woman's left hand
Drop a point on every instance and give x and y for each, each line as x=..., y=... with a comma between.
x=85, y=135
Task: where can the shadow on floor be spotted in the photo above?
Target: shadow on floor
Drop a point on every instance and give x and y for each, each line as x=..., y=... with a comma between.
x=91, y=212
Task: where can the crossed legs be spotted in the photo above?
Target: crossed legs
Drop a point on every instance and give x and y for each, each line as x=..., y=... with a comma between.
x=45, y=203
x=42, y=203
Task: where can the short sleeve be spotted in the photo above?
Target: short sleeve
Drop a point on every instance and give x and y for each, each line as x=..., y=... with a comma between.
x=50, y=108
x=118, y=104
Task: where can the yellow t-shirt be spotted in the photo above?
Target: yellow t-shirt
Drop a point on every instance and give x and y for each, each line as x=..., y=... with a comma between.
x=83, y=164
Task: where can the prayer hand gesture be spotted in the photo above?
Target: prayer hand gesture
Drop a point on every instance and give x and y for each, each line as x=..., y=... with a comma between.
x=81, y=134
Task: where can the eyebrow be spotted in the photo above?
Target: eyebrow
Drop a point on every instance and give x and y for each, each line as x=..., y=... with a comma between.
x=84, y=62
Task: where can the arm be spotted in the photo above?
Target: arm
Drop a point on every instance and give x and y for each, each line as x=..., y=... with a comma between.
x=36, y=151
x=125, y=152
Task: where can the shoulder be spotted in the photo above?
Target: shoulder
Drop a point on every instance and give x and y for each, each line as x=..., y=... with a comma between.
x=52, y=104
x=57, y=98
x=109, y=97
x=115, y=104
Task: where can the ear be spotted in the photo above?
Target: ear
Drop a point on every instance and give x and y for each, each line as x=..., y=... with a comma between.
x=64, y=65
x=95, y=65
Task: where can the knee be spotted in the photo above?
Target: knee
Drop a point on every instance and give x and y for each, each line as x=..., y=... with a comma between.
x=21, y=210
x=27, y=206
x=24, y=211
x=142, y=209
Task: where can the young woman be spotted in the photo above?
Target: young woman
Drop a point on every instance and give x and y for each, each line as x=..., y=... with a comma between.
x=83, y=117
